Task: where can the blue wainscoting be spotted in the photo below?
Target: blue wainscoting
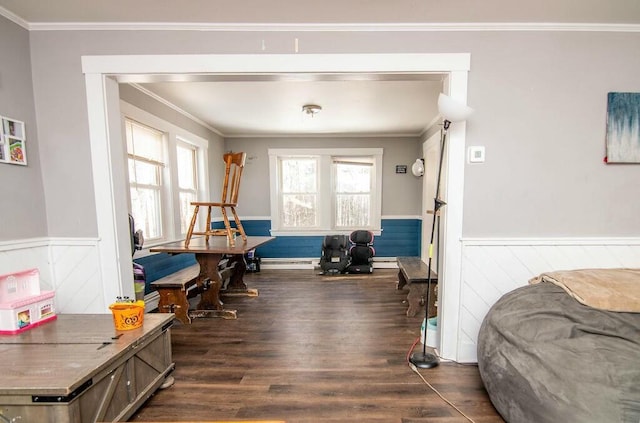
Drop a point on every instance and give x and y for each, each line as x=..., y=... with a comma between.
x=159, y=265
x=400, y=237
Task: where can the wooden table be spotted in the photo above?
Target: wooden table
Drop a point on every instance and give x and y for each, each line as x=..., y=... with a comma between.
x=412, y=271
x=209, y=282
x=79, y=369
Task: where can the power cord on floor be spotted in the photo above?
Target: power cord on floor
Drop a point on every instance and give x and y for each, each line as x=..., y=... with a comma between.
x=415, y=369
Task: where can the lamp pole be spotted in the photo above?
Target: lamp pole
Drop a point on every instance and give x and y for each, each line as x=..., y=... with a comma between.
x=451, y=111
x=424, y=359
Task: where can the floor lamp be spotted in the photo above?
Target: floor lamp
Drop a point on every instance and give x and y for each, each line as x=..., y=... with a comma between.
x=451, y=111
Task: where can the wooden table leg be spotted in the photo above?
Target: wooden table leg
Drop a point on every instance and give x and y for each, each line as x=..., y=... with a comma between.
x=209, y=282
x=236, y=286
x=209, y=285
x=174, y=300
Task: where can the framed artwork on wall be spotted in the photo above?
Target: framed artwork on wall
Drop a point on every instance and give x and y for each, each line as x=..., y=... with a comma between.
x=623, y=128
x=12, y=141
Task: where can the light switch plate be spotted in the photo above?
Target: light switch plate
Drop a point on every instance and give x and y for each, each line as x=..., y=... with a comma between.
x=475, y=154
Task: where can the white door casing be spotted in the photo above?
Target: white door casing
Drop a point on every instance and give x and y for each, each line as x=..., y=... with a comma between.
x=110, y=187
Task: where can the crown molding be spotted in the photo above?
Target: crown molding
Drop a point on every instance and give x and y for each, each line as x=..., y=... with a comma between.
x=176, y=108
x=319, y=27
x=14, y=18
x=321, y=135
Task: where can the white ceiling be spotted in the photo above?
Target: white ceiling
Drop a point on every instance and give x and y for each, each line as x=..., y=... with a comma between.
x=271, y=104
x=351, y=104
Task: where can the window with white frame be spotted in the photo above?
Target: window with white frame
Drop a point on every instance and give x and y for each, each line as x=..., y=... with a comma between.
x=187, y=182
x=167, y=171
x=317, y=191
x=145, y=154
x=353, y=191
x=299, y=192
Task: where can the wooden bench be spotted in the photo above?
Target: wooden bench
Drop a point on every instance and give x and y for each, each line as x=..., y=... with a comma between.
x=176, y=289
x=412, y=272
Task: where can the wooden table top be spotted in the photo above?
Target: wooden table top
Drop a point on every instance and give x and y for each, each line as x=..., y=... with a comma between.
x=58, y=356
x=216, y=245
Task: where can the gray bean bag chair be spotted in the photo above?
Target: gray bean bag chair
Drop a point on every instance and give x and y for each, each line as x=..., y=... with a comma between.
x=545, y=357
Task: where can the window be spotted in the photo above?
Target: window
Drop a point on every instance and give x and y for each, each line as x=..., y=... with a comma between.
x=145, y=162
x=353, y=188
x=167, y=171
x=187, y=182
x=299, y=186
x=317, y=191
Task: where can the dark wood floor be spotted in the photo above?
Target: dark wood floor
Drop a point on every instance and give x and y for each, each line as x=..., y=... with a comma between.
x=312, y=348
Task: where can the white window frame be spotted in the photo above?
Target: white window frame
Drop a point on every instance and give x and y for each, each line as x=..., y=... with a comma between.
x=160, y=164
x=173, y=135
x=326, y=204
x=182, y=143
x=362, y=161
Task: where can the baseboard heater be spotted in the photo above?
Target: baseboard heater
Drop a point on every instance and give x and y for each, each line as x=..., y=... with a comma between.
x=288, y=263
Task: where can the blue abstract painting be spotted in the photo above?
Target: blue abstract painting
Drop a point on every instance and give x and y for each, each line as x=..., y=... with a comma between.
x=623, y=128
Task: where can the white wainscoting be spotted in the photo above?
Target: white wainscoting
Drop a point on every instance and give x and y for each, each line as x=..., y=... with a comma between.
x=493, y=267
x=24, y=254
x=490, y=268
x=75, y=267
x=68, y=266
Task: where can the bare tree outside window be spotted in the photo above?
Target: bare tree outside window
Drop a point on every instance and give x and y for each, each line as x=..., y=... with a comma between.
x=325, y=190
x=299, y=192
x=353, y=194
x=187, y=183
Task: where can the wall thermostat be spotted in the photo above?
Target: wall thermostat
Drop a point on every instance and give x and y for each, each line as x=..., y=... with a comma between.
x=475, y=154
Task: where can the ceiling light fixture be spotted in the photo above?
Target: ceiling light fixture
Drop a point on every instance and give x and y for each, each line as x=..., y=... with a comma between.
x=311, y=109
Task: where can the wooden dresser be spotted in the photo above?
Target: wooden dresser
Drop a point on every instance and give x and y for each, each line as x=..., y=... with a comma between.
x=79, y=369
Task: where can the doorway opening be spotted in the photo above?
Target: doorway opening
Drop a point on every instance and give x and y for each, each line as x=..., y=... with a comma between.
x=108, y=160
